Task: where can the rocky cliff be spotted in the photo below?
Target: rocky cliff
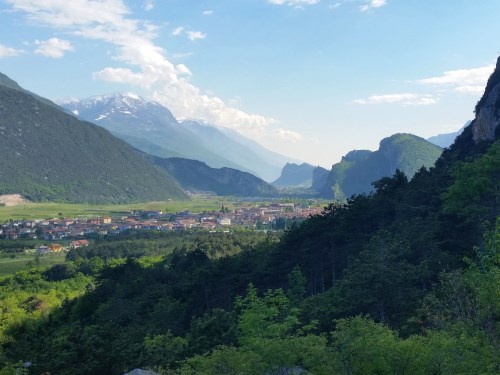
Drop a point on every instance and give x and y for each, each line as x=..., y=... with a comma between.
x=488, y=110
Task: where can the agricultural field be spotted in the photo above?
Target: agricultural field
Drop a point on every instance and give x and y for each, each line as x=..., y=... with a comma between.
x=10, y=265
x=51, y=210
x=196, y=204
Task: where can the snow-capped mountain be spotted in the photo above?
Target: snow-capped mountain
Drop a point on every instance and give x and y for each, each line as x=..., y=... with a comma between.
x=152, y=128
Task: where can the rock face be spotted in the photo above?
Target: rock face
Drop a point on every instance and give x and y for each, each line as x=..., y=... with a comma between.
x=488, y=110
x=320, y=178
x=11, y=200
x=295, y=175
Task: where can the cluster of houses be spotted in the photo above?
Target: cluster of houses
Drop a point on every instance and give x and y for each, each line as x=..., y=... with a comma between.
x=65, y=228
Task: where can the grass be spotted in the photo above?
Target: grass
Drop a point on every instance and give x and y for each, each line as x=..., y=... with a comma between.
x=9, y=266
x=51, y=210
x=69, y=210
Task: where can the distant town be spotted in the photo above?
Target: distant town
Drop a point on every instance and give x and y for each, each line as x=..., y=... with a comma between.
x=274, y=216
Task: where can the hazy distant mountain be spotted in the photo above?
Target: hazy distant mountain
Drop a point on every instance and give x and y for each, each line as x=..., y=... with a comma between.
x=447, y=139
x=319, y=178
x=357, y=170
x=146, y=125
x=274, y=158
x=295, y=175
x=196, y=176
x=152, y=128
x=241, y=150
x=47, y=154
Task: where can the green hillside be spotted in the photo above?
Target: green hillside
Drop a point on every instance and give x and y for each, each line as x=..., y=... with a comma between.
x=46, y=154
x=357, y=170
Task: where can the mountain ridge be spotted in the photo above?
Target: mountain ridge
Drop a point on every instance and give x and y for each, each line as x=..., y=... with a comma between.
x=47, y=154
x=137, y=120
x=198, y=177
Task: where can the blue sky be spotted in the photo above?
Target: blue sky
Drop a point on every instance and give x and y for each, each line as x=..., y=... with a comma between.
x=312, y=79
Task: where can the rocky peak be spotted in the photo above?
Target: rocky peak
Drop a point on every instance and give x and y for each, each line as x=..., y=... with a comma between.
x=488, y=109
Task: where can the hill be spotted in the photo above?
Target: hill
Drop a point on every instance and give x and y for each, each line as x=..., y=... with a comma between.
x=47, y=154
x=196, y=176
x=357, y=170
x=295, y=175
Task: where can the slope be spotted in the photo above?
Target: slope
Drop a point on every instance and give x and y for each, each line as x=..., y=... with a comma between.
x=196, y=176
x=357, y=170
x=46, y=154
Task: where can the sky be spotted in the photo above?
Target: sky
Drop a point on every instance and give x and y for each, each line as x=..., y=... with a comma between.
x=311, y=79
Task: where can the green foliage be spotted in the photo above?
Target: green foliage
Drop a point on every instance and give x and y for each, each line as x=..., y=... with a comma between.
x=362, y=346
x=475, y=192
x=381, y=282
x=268, y=317
x=164, y=349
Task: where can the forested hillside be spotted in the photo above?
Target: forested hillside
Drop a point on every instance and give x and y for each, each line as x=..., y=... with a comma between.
x=357, y=170
x=405, y=280
x=48, y=155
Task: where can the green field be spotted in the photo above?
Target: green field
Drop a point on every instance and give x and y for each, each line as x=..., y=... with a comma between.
x=70, y=210
x=8, y=265
x=51, y=210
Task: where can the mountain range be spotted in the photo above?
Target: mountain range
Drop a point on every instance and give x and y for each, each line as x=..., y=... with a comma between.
x=50, y=155
x=47, y=154
x=152, y=128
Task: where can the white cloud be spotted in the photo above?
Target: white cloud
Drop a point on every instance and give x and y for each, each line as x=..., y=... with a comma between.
x=195, y=35
x=371, y=4
x=148, y=5
x=146, y=64
x=182, y=69
x=148, y=68
x=469, y=89
x=208, y=12
x=53, y=47
x=466, y=81
x=181, y=55
x=294, y=2
x=9, y=51
x=405, y=99
x=177, y=31
x=288, y=135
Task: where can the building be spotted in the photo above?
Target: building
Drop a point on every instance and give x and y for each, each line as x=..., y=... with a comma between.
x=78, y=243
